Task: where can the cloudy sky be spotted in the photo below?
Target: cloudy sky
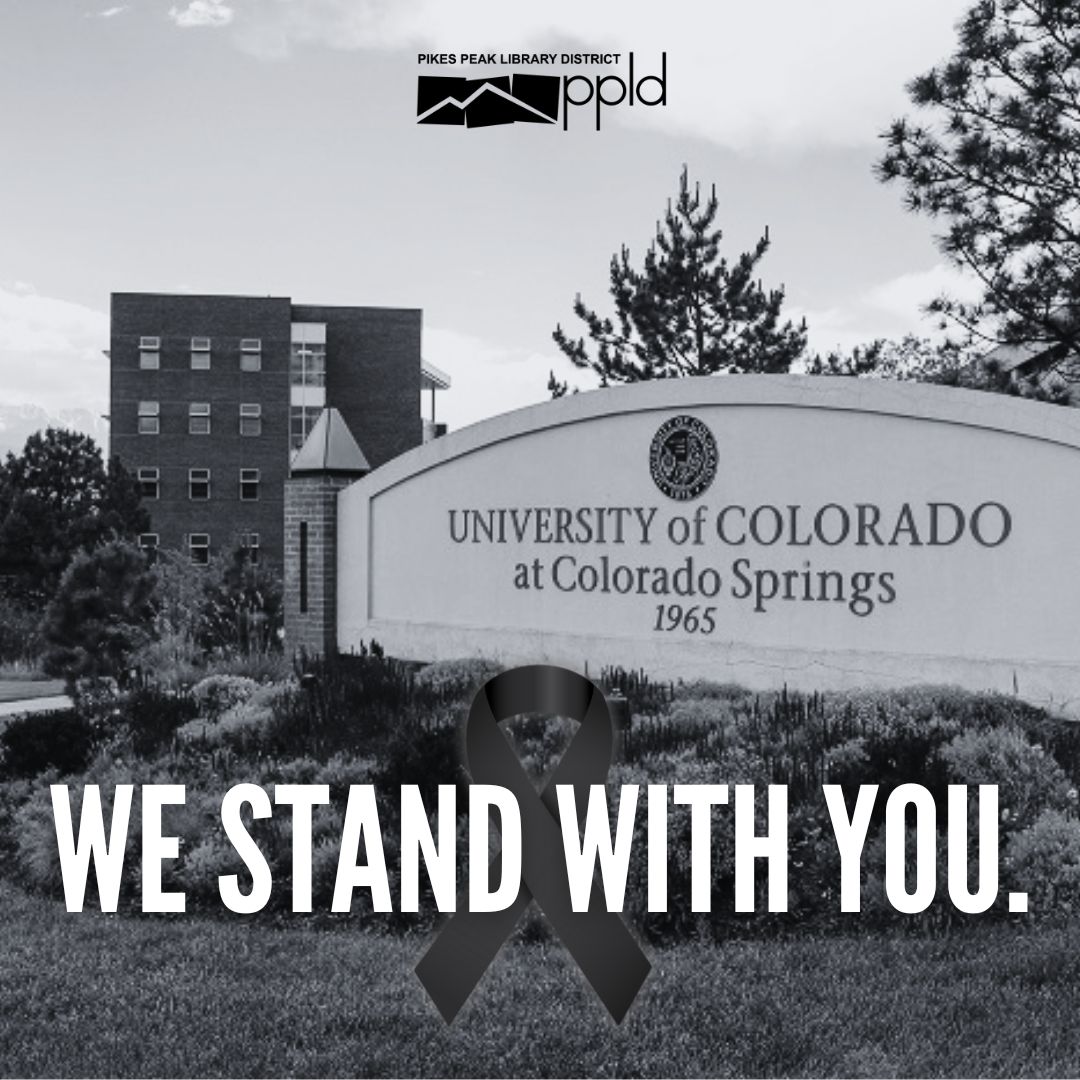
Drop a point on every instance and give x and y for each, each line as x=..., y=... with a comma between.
x=270, y=146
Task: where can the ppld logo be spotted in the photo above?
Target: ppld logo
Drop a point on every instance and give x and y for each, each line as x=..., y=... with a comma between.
x=533, y=99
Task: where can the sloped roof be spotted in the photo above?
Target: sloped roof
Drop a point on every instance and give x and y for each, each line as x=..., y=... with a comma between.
x=1011, y=357
x=331, y=448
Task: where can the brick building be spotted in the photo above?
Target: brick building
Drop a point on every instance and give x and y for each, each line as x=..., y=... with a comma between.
x=211, y=398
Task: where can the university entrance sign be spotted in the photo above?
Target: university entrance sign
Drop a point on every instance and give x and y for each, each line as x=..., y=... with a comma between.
x=824, y=533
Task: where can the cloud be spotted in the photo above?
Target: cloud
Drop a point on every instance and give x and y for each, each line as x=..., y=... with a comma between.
x=211, y=13
x=752, y=77
x=890, y=309
x=108, y=13
x=51, y=352
x=487, y=378
x=909, y=292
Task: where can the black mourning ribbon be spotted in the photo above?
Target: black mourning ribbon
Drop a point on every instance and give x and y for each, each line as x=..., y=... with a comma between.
x=598, y=940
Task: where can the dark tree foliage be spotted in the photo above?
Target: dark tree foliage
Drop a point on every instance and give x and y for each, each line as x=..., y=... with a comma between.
x=57, y=498
x=688, y=311
x=101, y=614
x=243, y=610
x=947, y=363
x=996, y=159
x=32, y=743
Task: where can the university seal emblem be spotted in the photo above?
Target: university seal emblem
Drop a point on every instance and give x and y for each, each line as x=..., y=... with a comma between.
x=682, y=458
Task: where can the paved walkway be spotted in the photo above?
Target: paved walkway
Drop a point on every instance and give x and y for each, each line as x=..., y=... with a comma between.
x=32, y=695
x=25, y=689
x=33, y=705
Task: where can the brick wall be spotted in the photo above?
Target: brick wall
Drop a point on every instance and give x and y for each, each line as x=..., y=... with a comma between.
x=373, y=378
x=373, y=374
x=224, y=319
x=312, y=500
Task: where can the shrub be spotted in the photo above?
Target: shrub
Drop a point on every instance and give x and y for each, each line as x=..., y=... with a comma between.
x=229, y=606
x=876, y=908
x=217, y=693
x=444, y=691
x=539, y=741
x=413, y=755
x=242, y=608
x=846, y=763
x=35, y=742
x=325, y=854
x=172, y=660
x=148, y=717
x=706, y=723
x=1029, y=780
x=342, y=703
x=1044, y=861
x=298, y=770
x=732, y=693
x=242, y=727
x=210, y=857
x=101, y=613
x=680, y=921
x=33, y=831
x=36, y=853
x=271, y=666
x=342, y=770
x=367, y=719
x=644, y=697
x=456, y=680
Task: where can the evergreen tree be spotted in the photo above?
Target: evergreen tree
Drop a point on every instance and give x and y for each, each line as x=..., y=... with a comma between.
x=102, y=612
x=688, y=311
x=243, y=609
x=57, y=498
x=998, y=163
x=946, y=363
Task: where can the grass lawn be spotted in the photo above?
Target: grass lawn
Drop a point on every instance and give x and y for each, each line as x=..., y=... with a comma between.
x=92, y=994
x=18, y=689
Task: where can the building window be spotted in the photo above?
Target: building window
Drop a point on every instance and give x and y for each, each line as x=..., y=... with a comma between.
x=200, y=354
x=301, y=420
x=149, y=544
x=199, y=484
x=150, y=483
x=149, y=417
x=251, y=354
x=303, y=568
x=199, y=418
x=249, y=545
x=307, y=364
x=199, y=548
x=250, y=419
x=149, y=353
x=249, y=485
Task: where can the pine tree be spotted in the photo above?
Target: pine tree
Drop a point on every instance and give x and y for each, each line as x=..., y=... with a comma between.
x=58, y=498
x=688, y=311
x=946, y=363
x=997, y=161
x=101, y=613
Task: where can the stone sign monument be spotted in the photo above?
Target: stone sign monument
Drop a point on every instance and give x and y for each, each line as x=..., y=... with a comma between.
x=819, y=532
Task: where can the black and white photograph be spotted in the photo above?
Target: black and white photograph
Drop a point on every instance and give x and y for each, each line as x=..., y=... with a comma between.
x=539, y=540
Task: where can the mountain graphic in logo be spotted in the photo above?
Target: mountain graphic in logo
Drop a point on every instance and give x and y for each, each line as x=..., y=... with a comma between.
x=528, y=99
